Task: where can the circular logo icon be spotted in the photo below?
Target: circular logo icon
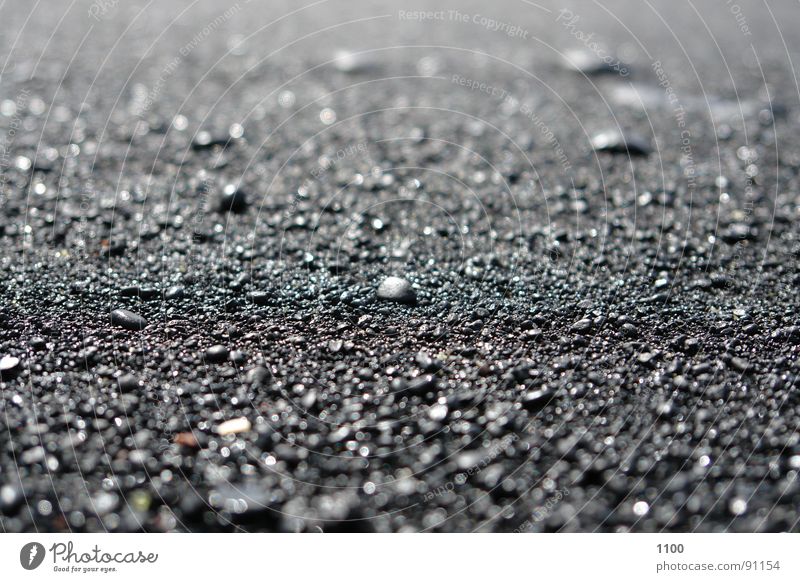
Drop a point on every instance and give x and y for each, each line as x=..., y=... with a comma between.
x=31, y=555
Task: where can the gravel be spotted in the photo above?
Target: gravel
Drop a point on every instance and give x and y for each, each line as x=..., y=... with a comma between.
x=207, y=318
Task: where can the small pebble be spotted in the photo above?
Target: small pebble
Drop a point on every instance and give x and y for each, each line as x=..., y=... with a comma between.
x=640, y=508
x=582, y=325
x=206, y=140
x=8, y=363
x=589, y=64
x=260, y=297
x=186, y=439
x=616, y=143
x=232, y=199
x=437, y=412
x=175, y=292
x=128, y=382
x=352, y=63
x=739, y=364
x=217, y=354
x=234, y=426
x=128, y=319
x=38, y=343
x=11, y=497
x=536, y=400
x=398, y=290
x=738, y=506
x=257, y=376
x=422, y=384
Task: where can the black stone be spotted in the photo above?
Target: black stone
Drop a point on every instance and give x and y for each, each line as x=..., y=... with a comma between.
x=422, y=384
x=232, y=199
x=260, y=297
x=128, y=382
x=217, y=354
x=536, y=400
x=128, y=320
x=175, y=292
x=614, y=142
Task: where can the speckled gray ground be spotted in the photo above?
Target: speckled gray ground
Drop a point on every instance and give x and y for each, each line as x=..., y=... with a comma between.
x=593, y=341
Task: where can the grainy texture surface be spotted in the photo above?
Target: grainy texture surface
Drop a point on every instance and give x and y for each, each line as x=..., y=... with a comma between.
x=598, y=341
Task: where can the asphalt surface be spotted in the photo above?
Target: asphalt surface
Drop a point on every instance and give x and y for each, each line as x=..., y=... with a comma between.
x=590, y=318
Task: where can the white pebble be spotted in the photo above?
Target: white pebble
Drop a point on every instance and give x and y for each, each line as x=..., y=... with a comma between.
x=640, y=508
x=234, y=426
